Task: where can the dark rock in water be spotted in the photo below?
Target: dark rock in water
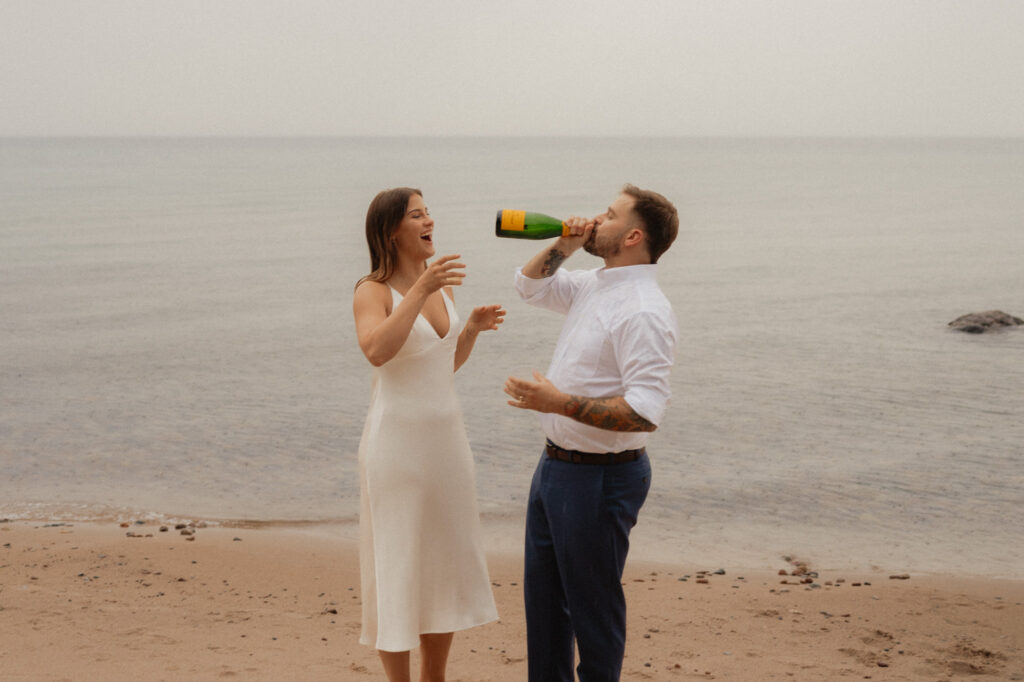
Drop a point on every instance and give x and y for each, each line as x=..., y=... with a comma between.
x=977, y=323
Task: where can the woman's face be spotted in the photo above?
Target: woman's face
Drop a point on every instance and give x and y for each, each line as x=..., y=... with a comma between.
x=415, y=234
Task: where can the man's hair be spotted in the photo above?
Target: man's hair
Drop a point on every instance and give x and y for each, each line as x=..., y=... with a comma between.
x=659, y=217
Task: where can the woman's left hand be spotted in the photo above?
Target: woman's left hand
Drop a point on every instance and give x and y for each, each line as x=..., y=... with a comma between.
x=485, y=318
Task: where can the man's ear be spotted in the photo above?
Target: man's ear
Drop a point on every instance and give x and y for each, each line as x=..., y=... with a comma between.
x=634, y=236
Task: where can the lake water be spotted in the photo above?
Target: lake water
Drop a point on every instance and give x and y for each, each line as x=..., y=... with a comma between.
x=176, y=334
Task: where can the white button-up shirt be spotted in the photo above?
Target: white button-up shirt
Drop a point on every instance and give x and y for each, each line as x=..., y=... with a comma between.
x=618, y=339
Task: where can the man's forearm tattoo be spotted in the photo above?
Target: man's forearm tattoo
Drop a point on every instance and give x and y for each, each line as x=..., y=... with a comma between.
x=552, y=262
x=613, y=414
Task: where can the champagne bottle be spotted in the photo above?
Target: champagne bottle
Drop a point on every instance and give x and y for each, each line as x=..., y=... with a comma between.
x=524, y=225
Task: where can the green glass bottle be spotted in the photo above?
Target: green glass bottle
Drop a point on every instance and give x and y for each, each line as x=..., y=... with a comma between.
x=525, y=225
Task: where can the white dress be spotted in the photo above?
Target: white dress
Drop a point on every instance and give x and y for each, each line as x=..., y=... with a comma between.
x=420, y=549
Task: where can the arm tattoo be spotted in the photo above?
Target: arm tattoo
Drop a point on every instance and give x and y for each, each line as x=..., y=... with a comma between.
x=613, y=414
x=554, y=260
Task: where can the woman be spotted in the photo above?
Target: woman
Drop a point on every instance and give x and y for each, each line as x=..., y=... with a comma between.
x=423, y=570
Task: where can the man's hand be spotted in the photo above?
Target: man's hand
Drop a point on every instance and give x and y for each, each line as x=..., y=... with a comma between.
x=612, y=413
x=540, y=395
x=545, y=263
x=579, y=230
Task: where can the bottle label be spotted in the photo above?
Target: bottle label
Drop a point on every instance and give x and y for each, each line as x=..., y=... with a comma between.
x=513, y=220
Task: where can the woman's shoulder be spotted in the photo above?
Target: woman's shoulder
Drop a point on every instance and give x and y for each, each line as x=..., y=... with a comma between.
x=373, y=292
x=372, y=286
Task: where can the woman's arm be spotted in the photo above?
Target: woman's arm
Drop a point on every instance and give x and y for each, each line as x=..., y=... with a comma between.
x=483, y=318
x=381, y=335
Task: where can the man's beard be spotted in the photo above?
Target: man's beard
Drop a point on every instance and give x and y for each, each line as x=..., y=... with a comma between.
x=604, y=251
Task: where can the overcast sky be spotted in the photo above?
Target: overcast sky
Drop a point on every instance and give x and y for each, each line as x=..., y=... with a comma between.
x=518, y=67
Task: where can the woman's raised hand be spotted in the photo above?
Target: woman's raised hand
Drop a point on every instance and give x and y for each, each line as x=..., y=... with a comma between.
x=446, y=271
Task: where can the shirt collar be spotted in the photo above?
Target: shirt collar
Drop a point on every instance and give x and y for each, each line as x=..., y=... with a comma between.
x=626, y=273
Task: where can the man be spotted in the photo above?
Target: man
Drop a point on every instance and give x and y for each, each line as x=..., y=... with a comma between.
x=606, y=389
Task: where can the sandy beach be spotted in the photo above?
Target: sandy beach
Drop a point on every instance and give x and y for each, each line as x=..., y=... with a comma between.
x=132, y=602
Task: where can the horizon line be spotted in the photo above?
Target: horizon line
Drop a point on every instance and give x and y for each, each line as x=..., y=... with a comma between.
x=627, y=136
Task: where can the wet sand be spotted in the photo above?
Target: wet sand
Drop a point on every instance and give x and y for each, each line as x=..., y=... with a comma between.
x=106, y=602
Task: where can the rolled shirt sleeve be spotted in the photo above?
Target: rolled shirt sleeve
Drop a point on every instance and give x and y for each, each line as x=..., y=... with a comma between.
x=645, y=348
x=553, y=293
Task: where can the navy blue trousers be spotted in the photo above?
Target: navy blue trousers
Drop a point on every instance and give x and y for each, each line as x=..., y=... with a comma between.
x=577, y=536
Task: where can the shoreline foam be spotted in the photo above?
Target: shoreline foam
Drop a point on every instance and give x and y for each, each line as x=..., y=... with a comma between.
x=755, y=546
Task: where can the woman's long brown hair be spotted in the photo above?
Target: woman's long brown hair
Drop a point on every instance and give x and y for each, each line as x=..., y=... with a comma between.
x=383, y=217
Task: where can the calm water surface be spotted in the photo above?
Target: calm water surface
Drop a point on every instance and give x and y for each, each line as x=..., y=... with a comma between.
x=176, y=335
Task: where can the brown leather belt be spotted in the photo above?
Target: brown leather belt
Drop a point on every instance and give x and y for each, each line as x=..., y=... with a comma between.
x=577, y=457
